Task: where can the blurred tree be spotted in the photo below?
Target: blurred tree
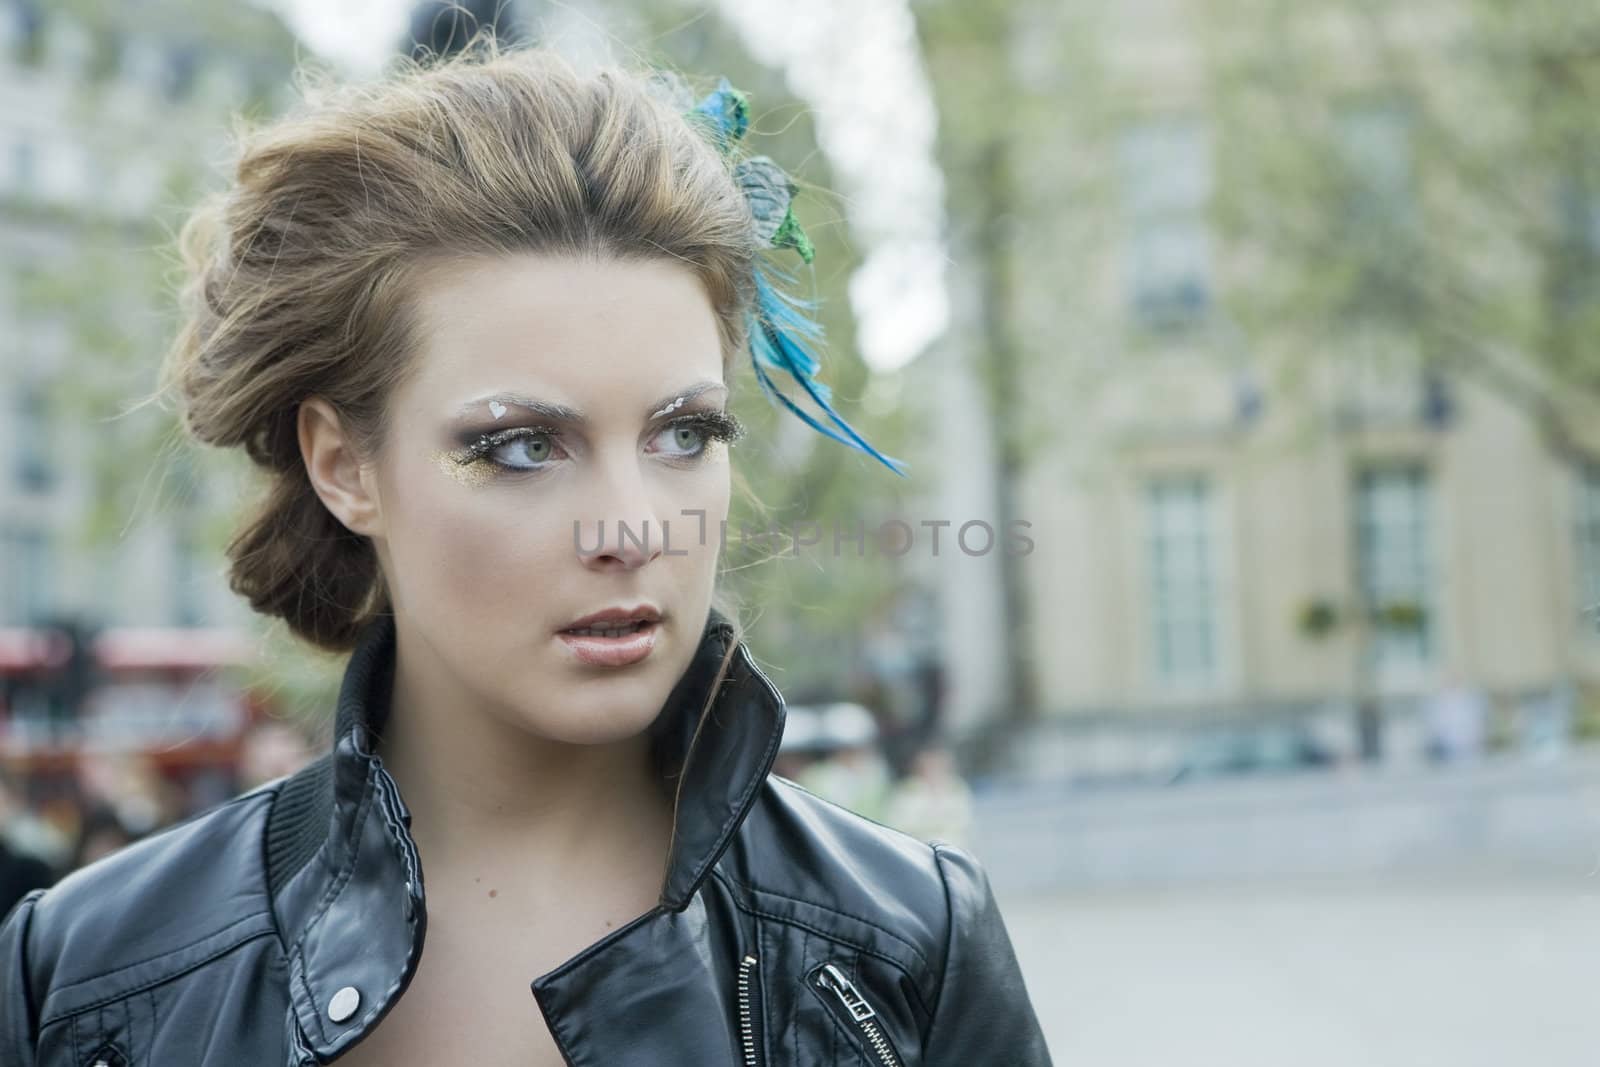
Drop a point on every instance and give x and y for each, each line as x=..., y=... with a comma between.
x=1411, y=193
x=821, y=599
x=92, y=302
x=987, y=117
x=1417, y=185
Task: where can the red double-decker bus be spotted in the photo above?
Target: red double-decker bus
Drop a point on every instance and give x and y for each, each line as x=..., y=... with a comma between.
x=80, y=712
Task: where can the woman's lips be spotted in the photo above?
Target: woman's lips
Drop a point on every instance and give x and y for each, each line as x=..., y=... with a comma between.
x=612, y=651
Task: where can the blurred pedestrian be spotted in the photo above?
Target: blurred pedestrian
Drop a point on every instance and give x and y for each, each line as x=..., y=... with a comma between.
x=271, y=749
x=132, y=785
x=933, y=802
x=1458, y=718
x=854, y=773
x=101, y=833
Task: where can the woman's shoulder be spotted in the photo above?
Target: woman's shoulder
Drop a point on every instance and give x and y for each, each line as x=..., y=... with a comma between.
x=926, y=908
x=803, y=856
x=183, y=894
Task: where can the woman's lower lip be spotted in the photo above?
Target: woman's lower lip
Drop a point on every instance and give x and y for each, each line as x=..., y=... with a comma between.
x=612, y=651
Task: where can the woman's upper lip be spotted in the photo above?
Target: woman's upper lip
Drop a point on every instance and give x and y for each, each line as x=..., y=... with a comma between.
x=641, y=613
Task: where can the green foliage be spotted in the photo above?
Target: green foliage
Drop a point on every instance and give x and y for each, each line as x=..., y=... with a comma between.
x=791, y=473
x=1430, y=171
x=1318, y=618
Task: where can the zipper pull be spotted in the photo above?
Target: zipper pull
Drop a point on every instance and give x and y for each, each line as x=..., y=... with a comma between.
x=832, y=978
x=747, y=1023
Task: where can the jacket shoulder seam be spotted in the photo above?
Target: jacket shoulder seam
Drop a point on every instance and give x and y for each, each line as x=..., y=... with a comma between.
x=949, y=940
x=832, y=935
x=834, y=804
x=910, y=945
x=140, y=986
x=835, y=936
x=163, y=954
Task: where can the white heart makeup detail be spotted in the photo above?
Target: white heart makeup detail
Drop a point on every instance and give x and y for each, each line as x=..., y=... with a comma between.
x=496, y=408
x=670, y=407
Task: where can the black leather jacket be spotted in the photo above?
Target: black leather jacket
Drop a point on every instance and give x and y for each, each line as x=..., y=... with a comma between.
x=279, y=927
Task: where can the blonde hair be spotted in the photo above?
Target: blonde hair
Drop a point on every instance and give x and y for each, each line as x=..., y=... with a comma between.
x=297, y=274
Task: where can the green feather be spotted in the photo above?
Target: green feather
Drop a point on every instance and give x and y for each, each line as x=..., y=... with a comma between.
x=790, y=235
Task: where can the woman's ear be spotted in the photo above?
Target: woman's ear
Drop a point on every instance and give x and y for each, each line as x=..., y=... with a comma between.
x=338, y=476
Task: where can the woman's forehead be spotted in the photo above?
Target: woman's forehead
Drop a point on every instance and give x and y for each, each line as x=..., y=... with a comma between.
x=581, y=332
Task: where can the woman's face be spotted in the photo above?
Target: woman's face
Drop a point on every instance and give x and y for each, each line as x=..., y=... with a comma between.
x=556, y=399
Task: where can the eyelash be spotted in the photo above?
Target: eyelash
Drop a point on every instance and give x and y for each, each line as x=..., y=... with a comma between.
x=714, y=425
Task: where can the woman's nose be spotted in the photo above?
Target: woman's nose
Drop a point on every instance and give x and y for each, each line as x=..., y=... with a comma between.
x=625, y=530
x=614, y=542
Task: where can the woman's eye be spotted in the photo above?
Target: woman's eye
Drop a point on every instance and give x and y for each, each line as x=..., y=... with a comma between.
x=686, y=440
x=691, y=436
x=524, y=452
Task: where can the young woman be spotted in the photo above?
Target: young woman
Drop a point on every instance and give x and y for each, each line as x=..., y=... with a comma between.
x=478, y=323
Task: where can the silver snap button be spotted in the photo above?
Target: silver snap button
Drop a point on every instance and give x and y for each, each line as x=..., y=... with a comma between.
x=343, y=1004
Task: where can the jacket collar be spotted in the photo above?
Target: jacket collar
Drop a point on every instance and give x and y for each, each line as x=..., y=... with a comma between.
x=343, y=869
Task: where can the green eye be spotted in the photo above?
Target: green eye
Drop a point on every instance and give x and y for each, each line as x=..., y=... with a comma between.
x=516, y=448
x=534, y=449
x=692, y=434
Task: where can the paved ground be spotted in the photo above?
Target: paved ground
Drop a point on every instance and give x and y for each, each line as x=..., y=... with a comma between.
x=1467, y=972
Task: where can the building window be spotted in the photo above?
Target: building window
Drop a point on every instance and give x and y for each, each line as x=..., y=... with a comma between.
x=1378, y=214
x=27, y=568
x=31, y=448
x=27, y=31
x=1588, y=535
x=1394, y=565
x=1166, y=183
x=1183, y=601
x=1574, y=287
x=187, y=575
x=1374, y=140
x=24, y=165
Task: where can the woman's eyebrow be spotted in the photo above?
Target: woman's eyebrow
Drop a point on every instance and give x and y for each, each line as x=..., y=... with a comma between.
x=562, y=413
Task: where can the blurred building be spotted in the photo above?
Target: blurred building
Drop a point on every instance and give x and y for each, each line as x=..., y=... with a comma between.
x=110, y=118
x=1207, y=531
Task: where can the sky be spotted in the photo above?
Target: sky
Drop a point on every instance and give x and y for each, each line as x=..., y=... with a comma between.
x=857, y=65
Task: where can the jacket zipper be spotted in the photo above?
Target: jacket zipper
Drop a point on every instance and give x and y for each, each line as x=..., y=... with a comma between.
x=844, y=992
x=748, y=994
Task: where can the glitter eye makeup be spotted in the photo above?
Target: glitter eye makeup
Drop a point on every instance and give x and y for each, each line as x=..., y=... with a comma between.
x=475, y=462
x=485, y=445
x=670, y=408
x=712, y=426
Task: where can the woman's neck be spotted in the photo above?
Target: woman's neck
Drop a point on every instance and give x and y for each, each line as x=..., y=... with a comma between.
x=488, y=798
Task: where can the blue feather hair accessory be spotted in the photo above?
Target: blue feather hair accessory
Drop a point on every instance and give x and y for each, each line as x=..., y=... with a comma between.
x=780, y=325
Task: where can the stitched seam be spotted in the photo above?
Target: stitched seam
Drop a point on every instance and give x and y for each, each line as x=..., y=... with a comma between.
x=319, y=856
x=794, y=1020
x=910, y=945
x=856, y=1040
x=312, y=1000
x=159, y=955
x=380, y=1006
x=740, y=809
x=797, y=787
x=949, y=939
x=22, y=914
x=340, y=880
x=266, y=870
x=342, y=877
x=122, y=994
x=558, y=1032
x=842, y=940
